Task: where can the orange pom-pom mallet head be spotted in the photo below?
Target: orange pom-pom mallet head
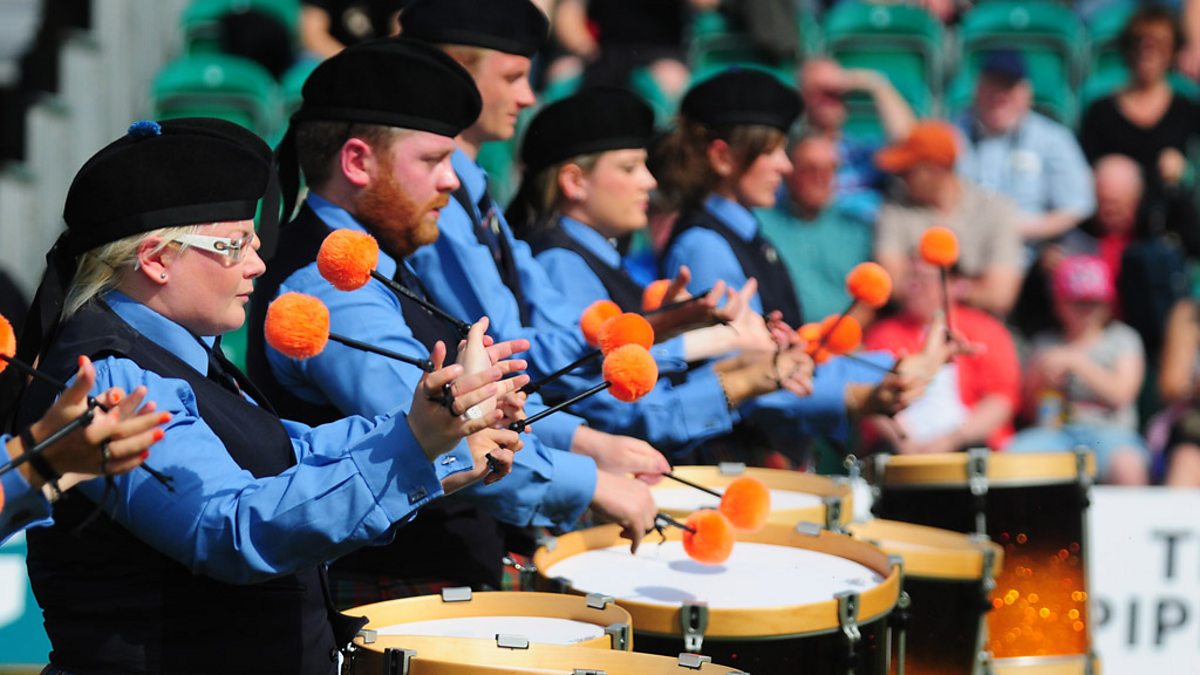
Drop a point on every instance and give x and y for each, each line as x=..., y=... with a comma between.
x=746, y=502
x=626, y=329
x=713, y=540
x=652, y=297
x=939, y=246
x=347, y=258
x=630, y=372
x=811, y=333
x=8, y=341
x=593, y=319
x=870, y=284
x=297, y=325
x=843, y=336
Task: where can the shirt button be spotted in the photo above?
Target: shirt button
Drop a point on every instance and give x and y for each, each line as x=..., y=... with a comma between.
x=417, y=495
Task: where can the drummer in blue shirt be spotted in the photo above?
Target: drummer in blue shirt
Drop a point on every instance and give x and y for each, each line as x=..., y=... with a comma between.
x=373, y=136
x=727, y=156
x=224, y=565
x=586, y=184
x=112, y=443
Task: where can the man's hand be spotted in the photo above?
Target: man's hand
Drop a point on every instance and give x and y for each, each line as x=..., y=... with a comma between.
x=621, y=454
x=626, y=502
x=492, y=451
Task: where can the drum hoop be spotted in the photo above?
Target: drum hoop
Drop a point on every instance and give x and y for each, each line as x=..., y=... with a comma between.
x=776, y=479
x=495, y=603
x=1058, y=664
x=949, y=470
x=808, y=619
x=950, y=556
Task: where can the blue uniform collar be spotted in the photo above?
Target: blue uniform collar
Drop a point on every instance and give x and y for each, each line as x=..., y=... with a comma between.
x=473, y=177
x=591, y=240
x=163, y=331
x=336, y=217
x=735, y=216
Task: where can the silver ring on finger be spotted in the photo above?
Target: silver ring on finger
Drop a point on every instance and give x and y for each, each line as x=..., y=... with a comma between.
x=473, y=413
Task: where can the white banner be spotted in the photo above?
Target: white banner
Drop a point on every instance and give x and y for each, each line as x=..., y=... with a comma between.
x=1145, y=570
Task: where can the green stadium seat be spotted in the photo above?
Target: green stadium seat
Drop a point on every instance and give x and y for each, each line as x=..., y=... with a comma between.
x=1031, y=27
x=906, y=71
x=1053, y=94
x=200, y=20
x=712, y=55
x=217, y=85
x=292, y=84
x=1108, y=80
x=856, y=32
x=1105, y=29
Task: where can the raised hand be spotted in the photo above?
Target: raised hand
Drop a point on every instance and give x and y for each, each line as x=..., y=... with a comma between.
x=492, y=451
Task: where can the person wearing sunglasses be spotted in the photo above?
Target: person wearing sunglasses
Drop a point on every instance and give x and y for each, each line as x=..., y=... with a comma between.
x=223, y=563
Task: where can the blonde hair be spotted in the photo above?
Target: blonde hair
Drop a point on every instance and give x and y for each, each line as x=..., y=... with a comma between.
x=101, y=269
x=468, y=56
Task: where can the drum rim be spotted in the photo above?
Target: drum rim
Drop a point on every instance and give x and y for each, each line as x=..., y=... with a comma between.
x=1015, y=665
x=494, y=603
x=948, y=470
x=964, y=561
x=758, y=622
x=775, y=479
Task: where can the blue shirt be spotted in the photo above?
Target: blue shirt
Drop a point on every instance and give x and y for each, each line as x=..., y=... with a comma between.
x=24, y=507
x=708, y=255
x=859, y=182
x=670, y=416
x=1038, y=164
x=354, y=480
x=546, y=488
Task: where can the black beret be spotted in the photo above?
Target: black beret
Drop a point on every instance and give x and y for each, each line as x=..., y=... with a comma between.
x=594, y=120
x=742, y=96
x=512, y=26
x=392, y=82
x=166, y=174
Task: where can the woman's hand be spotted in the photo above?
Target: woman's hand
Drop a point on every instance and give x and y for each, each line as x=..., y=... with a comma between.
x=126, y=429
x=444, y=403
x=492, y=451
x=621, y=455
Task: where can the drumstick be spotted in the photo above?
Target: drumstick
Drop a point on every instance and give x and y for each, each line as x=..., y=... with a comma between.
x=939, y=247
x=689, y=483
x=611, y=333
x=662, y=520
x=677, y=304
x=630, y=372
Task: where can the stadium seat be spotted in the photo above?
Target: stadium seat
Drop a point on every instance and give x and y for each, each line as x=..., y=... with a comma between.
x=908, y=37
x=1108, y=80
x=906, y=73
x=1035, y=28
x=217, y=85
x=201, y=20
x=293, y=83
x=1104, y=30
x=1053, y=94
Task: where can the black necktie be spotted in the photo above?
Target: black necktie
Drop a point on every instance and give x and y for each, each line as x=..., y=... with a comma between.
x=224, y=373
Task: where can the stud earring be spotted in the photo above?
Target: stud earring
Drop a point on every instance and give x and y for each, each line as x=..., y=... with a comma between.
x=163, y=276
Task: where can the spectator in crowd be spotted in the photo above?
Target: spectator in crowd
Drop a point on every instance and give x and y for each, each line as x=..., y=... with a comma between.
x=1083, y=380
x=1189, y=56
x=973, y=399
x=987, y=224
x=819, y=240
x=1022, y=154
x=615, y=37
x=329, y=26
x=1145, y=120
x=824, y=86
x=1179, y=388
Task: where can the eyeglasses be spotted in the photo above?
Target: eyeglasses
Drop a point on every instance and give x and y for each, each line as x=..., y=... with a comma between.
x=233, y=248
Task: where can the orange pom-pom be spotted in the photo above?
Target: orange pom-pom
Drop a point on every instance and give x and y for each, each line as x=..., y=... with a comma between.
x=870, y=284
x=627, y=329
x=297, y=325
x=593, y=319
x=844, y=336
x=811, y=333
x=747, y=503
x=652, y=297
x=630, y=372
x=8, y=341
x=713, y=541
x=939, y=246
x=347, y=258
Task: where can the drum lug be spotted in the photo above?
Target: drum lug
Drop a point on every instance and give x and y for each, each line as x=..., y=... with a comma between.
x=456, y=594
x=396, y=661
x=848, y=620
x=1081, y=466
x=587, y=671
x=560, y=584
x=368, y=636
x=977, y=480
x=693, y=619
x=508, y=641
x=833, y=514
x=619, y=632
x=693, y=661
x=731, y=468
x=808, y=529
x=599, y=600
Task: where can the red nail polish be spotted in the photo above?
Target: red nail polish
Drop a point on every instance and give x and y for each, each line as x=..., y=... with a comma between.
x=81, y=358
x=144, y=455
x=116, y=397
x=164, y=418
x=158, y=435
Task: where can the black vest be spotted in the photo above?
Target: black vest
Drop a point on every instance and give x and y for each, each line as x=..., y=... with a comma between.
x=507, y=266
x=451, y=540
x=758, y=259
x=113, y=604
x=621, y=287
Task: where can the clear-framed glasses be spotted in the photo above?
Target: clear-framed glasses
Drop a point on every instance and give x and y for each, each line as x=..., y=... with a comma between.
x=233, y=248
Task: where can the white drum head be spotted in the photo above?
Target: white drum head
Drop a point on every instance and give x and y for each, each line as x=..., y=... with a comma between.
x=756, y=575
x=540, y=629
x=685, y=498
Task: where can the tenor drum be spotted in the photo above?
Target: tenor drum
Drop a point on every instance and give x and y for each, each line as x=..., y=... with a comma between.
x=789, y=599
x=425, y=655
x=948, y=578
x=795, y=496
x=1032, y=505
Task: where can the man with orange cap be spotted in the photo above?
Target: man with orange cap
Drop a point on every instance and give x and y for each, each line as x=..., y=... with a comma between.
x=987, y=225
x=373, y=138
